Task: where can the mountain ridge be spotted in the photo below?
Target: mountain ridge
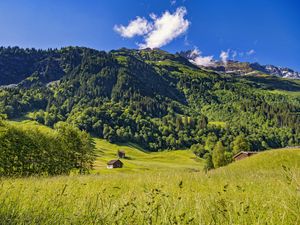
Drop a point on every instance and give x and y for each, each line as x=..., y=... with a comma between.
x=243, y=68
x=48, y=63
x=149, y=97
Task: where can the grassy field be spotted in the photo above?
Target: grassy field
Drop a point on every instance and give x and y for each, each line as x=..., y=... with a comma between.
x=160, y=188
x=138, y=160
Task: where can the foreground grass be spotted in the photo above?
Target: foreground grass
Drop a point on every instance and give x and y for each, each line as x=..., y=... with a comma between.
x=264, y=189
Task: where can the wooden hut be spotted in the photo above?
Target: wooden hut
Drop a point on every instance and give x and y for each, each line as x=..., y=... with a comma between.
x=243, y=154
x=121, y=154
x=116, y=163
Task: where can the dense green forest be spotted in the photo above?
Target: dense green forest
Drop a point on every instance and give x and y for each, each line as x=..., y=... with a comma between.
x=150, y=97
x=35, y=150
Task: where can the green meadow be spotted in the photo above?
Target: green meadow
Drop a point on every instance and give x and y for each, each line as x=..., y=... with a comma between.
x=160, y=188
x=139, y=160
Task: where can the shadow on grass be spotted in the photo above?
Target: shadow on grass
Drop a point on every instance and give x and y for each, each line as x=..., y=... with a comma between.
x=132, y=145
x=128, y=158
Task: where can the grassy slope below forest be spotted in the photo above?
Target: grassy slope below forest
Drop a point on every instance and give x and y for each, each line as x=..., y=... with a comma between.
x=263, y=189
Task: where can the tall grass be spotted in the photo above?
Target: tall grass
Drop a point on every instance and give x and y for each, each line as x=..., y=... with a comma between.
x=264, y=189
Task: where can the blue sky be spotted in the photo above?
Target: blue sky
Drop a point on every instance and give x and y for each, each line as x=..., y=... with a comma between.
x=267, y=31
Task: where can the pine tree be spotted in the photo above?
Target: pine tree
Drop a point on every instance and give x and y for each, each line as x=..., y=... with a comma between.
x=208, y=162
x=218, y=155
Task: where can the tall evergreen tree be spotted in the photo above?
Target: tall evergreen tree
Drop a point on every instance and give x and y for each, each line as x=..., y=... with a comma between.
x=218, y=155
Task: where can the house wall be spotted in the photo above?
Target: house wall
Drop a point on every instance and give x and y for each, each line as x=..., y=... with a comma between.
x=118, y=165
x=244, y=155
x=241, y=156
x=121, y=155
x=110, y=167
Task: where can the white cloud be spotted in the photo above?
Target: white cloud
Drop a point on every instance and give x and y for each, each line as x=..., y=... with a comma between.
x=234, y=54
x=173, y=2
x=166, y=28
x=161, y=31
x=139, y=26
x=204, y=61
x=224, y=56
x=196, y=58
x=251, y=52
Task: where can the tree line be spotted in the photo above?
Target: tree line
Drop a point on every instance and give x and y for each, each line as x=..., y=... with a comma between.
x=35, y=150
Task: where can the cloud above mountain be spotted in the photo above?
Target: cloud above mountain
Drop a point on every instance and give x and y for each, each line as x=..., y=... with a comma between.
x=158, y=32
x=196, y=58
x=232, y=54
x=250, y=52
x=138, y=26
x=224, y=56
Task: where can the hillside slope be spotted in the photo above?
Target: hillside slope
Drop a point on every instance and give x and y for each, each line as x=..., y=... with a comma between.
x=149, y=97
x=139, y=160
x=257, y=190
x=269, y=160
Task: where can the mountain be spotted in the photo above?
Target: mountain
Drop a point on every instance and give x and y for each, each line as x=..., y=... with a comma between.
x=244, y=68
x=282, y=72
x=150, y=97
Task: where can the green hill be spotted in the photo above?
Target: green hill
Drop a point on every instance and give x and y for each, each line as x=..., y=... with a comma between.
x=139, y=160
x=152, y=98
x=263, y=189
x=269, y=160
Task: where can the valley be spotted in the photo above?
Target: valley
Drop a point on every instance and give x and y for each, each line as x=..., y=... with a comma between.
x=144, y=112
x=167, y=187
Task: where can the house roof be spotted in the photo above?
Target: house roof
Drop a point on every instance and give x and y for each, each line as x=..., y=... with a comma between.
x=111, y=162
x=244, y=152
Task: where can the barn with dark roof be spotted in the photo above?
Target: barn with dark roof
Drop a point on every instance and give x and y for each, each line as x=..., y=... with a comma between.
x=116, y=163
x=121, y=154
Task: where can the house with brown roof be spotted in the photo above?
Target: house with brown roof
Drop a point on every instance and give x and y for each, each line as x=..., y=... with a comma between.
x=121, y=154
x=243, y=154
x=116, y=163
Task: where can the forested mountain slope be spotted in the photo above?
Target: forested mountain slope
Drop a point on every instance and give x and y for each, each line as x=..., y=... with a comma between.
x=150, y=97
